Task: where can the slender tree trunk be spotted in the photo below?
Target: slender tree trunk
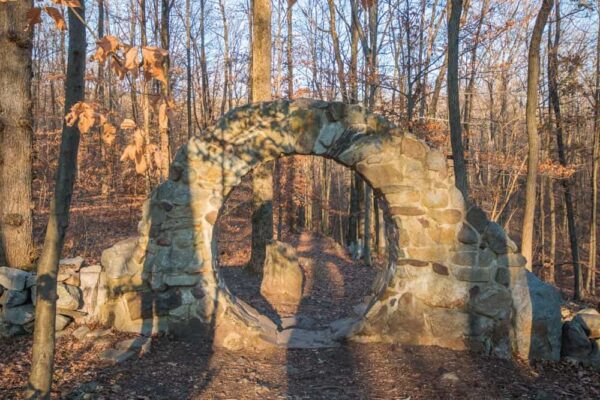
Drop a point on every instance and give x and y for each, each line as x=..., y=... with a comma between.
x=289, y=52
x=16, y=135
x=336, y=51
x=164, y=129
x=206, y=103
x=552, y=255
x=262, y=180
x=188, y=65
x=566, y=183
x=227, y=69
x=533, y=158
x=40, y=379
x=456, y=141
x=591, y=276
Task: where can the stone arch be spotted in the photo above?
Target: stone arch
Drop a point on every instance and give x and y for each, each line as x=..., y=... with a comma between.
x=453, y=278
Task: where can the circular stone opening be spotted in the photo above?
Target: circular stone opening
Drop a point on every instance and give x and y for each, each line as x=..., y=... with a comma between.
x=318, y=226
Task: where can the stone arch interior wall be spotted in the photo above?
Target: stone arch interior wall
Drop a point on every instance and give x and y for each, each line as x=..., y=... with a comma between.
x=453, y=279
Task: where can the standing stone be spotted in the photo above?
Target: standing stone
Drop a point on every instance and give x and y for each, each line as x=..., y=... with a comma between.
x=537, y=320
x=282, y=275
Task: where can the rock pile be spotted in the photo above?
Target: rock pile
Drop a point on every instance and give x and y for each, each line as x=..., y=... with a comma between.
x=581, y=337
x=77, y=289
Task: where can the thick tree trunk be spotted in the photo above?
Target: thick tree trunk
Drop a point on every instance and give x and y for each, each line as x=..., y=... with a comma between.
x=456, y=141
x=262, y=179
x=533, y=158
x=40, y=379
x=16, y=131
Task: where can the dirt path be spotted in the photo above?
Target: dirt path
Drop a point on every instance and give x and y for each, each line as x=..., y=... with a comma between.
x=333, y=281
x=184, y=369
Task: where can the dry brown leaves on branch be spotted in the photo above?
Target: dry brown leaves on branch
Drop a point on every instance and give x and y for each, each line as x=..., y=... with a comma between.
x=34, y=16
x=106, y=45
x=555, y=170
x=67, y=3
x=58, y=18
x=154, y=63
x=86, y=115
x=142, y=154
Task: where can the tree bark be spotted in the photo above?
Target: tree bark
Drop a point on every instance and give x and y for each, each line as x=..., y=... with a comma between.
x=591, y=276
x=533, y=157
x=16, y=133
x=566, y=183
x=164, y=130
x=456, y=141
x=40, y=379
x=289, y=53
x=262, y=179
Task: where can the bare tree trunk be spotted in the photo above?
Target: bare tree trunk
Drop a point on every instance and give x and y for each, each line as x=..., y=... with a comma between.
x=591, y=276
x=164, y=130
x=533, y=75
x=566, y=183
x=456, y=141
x=40, y=379
x=337, y=52
x=16, y=135
x=289, y=53
x=227, y=69
x=206, y=104
x=188, y=65
x=262, y=180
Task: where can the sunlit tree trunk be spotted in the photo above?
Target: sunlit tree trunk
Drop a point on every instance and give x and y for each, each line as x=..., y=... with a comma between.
x=40, y=379
x=533, y=158
x=262, y=179
x=16, y=133
x=456, y=140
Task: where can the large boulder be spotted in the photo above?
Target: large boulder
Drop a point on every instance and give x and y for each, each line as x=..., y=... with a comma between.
x=19, y=315
x=282, y=276
x=13, y=279
x=575, y=342
x=537, y=325
x=13, y=298
x=114, y=259
x=69, y=297
x=590, y=323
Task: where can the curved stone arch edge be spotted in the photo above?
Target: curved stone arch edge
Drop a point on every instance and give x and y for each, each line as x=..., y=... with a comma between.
x=462, y=248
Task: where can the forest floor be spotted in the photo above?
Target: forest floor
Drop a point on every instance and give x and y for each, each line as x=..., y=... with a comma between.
x=190, y=368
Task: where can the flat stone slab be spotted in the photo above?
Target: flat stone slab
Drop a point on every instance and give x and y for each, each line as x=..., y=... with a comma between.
x=305, y=339
x=116, y=356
